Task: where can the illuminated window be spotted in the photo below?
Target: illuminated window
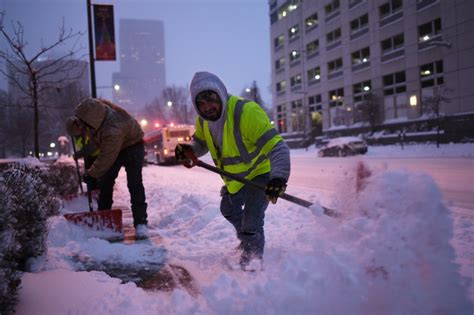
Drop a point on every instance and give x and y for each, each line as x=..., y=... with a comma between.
x=295, y=81
x=297, y=115
x=311, y=21
x=281, y=118
x=431, y=74
x=294, y=56
x=360, y=56
x=336, y=97
x=314, y=75
x=361, y=90
x=429, y=30
x=294, y=31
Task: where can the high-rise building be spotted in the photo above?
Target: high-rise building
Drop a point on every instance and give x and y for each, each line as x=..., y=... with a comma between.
x=365, y=66
x=142, y=63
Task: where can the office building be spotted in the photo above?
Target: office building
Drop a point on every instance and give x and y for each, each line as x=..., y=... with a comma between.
x=141, y=78
x=370, y=67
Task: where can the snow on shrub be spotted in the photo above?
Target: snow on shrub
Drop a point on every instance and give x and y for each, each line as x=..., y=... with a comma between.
x=10, y=278
x=62, y=178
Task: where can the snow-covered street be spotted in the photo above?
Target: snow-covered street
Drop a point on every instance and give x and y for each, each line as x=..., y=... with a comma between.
x=402, y=246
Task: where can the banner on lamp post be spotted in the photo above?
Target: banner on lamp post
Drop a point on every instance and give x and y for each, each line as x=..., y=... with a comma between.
x=104, y=32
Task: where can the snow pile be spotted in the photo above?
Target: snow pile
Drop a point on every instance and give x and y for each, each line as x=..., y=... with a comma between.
x=389, y=253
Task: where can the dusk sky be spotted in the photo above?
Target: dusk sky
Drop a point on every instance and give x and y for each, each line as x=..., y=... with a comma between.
x=227, y=37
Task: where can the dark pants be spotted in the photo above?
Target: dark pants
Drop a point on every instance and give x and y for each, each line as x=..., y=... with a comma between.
x=132, y=159
x=245, y=210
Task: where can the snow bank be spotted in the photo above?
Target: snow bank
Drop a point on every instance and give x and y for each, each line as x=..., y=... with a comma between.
x=388, y=254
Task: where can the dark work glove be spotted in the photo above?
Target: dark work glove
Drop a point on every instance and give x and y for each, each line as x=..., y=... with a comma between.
x=89, y=180
x=182, y=153
x=275, y=188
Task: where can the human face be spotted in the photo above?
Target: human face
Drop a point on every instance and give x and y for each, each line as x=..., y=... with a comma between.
x=210, y=108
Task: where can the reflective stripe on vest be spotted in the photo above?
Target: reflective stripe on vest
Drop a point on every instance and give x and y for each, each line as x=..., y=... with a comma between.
x=240, y=164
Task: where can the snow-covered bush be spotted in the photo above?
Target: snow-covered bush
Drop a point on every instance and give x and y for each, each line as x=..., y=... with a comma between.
x=9, y=277
x=62, y=178
x=30, y=200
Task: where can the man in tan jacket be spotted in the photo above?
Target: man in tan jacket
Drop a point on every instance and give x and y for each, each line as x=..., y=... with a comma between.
x=120, y=141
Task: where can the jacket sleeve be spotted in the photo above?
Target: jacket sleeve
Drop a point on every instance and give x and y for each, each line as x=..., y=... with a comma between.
x=110, y=145
x=198, y=143
x=280, y=161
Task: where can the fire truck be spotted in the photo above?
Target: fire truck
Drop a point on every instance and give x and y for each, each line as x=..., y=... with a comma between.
x=160, y=143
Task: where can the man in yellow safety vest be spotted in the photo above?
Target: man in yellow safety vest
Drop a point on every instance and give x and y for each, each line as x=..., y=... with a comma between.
x=242, y=141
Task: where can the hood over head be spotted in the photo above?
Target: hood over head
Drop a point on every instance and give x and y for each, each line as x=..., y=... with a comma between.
x=206, y=81
x=91, y=111
x=73, y=126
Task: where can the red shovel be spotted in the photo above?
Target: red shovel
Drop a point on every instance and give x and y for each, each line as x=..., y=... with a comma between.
x=101, y=220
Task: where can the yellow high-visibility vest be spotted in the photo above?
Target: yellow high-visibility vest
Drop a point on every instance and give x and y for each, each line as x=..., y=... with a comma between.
x=82, y=141
x=248, y=137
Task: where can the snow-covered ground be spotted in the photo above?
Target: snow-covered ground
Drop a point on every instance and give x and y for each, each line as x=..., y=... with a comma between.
x=402, y=246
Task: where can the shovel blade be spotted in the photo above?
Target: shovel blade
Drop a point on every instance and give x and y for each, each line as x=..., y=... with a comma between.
x=98, y=220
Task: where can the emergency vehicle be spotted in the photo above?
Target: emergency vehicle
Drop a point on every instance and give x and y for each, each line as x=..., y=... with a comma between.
x=160, y=143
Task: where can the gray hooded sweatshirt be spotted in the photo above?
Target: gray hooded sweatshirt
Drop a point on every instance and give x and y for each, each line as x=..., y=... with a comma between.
x=202, y=81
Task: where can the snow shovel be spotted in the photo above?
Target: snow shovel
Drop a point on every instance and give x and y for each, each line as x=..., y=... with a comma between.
x=195, y=161
x=97, y=220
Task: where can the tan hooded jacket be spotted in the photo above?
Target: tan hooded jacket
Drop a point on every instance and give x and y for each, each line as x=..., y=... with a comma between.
x=114, y=129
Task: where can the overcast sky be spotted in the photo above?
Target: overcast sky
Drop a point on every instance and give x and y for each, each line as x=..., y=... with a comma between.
x=228, y=37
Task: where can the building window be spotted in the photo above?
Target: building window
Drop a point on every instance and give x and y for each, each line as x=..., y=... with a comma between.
x=295, y=81
x=278, y=41
x=285, y=9
x=297, y=115
x=314, y=75
x=280, y=64
x=315, y=103
x=361, y=91
x=336, y=97
x=281, y=118
x=335, y=65
x=394, y=83
x=281, y=86
x=393, y=43
x=389, y=8
x=395, y=100
x=333, y=36
x=295, y=55
x=360, y=23
x=293, y=32
x=312, y=48
x=431, y=74
x=311, y=22
x=333, y=6
x=429, y=30
x=360, y=56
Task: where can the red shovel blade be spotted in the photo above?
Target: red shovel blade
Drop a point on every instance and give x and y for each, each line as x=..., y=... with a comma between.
x=98, y=220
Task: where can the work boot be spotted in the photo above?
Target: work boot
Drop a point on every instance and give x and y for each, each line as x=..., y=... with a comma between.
x=141, y=232
x=251, y=261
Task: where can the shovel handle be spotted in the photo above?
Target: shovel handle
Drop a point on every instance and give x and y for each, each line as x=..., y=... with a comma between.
x=195, y=161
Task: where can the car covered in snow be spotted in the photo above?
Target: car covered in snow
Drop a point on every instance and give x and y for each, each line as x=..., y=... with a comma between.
x=343, y=146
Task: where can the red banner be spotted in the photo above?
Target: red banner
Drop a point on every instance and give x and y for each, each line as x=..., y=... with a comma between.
x=104, y=32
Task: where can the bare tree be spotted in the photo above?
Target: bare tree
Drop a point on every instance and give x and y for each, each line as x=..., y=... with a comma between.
x=176, y=99
x=368, y=110
x=434, y=103
x=33, y=77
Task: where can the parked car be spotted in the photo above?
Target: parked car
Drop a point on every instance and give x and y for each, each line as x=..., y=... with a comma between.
x=343, y=146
